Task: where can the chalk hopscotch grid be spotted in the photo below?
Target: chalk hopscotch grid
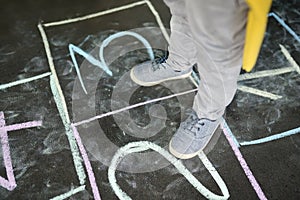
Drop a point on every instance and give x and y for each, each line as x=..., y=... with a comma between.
x=61, y=104
x=76, y=134
x=229, y=135
x=55, y=81
x=75, y=144
x=261, y=74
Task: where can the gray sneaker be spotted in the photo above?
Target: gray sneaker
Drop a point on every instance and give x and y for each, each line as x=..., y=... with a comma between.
x=153, y=73
x=192, y=136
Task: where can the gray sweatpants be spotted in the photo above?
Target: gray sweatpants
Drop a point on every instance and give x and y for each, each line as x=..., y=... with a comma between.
x=210, y=33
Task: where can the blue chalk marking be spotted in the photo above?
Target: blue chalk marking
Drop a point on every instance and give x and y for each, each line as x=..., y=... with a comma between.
x=285, y=26
x=101, y=63
x=225, y=126
x=196, y=78
x=121, y=34
x=90, y=58
x=271, y=138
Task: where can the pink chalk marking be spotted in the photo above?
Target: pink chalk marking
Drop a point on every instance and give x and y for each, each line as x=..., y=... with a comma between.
x=7, y=184
x=22, y=126
x=87, y=164
x=10, y=184
x=244, y=165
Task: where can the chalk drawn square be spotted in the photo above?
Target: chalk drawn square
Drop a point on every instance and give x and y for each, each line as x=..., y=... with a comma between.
x=57, y=51
x=88, y=35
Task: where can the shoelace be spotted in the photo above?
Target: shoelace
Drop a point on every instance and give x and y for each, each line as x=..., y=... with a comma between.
x=158, y=63
x=193, y=124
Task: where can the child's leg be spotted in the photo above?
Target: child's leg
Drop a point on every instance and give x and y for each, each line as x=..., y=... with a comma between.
x=182, y=50
x=218, y=28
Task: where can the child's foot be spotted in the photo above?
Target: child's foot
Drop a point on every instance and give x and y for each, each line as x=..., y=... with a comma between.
x=153, y=73
x=192, y=136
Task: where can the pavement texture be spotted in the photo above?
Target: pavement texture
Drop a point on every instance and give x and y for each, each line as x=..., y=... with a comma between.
x=60, y=142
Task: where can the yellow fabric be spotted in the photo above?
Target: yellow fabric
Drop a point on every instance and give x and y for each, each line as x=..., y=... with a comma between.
x=255, y=29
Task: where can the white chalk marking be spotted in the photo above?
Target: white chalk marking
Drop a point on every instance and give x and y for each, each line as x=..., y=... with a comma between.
x=258, y=92
x=62, y=108
x=54, y=75
x=90, y=16
x=272, y=137
x=289, y=58
x=70, y=193
x=145, y=145
x=265, y=73
x=73, y=145
x=132, y=106
x=158, y=19
x=212, y=170
x=26, y=80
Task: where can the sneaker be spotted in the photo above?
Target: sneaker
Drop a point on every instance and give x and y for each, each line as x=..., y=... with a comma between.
x=153, y=72
x=192, y=136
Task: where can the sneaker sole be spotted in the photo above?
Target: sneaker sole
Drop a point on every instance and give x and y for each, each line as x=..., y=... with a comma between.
x=147, y=84
x=188, y=156
x=182, y=156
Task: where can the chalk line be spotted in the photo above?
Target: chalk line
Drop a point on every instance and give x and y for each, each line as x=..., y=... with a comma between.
x=158, y=19
x=285, y=26
x=26, y=80
x=134, y=147
x=70, y=193
x=132, y=106
x=258, y=92
x=73, y=145
x=54, y=74
x=87, y=164
x=62, y=108
x=195, y=78
x=212, y=170
x=272, y=137
x=77, y=19
x=121, y=34
x=289, y=58
x=101, y=63
x=243, y=163
x=22, y=126
x=225, y=125
x=9, y=184
x=265, y=73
